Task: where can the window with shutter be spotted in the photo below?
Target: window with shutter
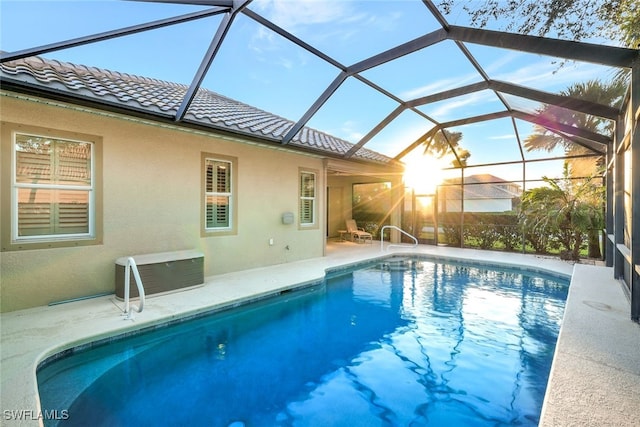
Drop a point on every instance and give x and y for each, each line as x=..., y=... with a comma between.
x=307, y=198
x=53, y=183
x=218, y=194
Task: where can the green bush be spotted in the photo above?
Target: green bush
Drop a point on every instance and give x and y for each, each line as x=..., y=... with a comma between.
x=506, y=231
x=450, y=225
x=483, y=230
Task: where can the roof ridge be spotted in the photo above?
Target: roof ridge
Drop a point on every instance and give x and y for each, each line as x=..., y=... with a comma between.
x=96, y=71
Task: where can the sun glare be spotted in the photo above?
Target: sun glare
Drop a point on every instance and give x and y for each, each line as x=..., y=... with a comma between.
x=423, y=173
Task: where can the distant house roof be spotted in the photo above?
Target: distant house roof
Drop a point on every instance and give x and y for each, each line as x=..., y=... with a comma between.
x=130, y=93
x=481, y=186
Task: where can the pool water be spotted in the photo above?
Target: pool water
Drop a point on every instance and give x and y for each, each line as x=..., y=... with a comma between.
x=398, y=343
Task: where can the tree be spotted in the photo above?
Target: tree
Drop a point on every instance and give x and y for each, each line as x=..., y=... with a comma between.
x=537, y=225
x=578, y=168
x=570, y=19
x=443, y=142
x=566, y=210
x=595, y=91
x=625, y=15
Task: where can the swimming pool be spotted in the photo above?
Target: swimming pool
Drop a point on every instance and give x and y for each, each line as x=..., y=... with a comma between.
x=397, y=342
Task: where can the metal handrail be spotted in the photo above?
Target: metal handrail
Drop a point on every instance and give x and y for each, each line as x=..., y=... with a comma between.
x=392, y=245
x=131, y=265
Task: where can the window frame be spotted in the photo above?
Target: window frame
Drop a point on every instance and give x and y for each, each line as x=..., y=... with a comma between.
x=10, y=212
x=231, y=229
x=314, y=199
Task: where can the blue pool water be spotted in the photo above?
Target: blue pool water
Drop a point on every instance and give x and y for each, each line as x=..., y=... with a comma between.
x=397, y=343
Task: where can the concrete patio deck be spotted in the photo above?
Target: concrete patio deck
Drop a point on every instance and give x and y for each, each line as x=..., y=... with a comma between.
x=595, y=378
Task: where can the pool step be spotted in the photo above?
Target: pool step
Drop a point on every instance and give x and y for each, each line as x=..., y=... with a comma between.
x=400, y=264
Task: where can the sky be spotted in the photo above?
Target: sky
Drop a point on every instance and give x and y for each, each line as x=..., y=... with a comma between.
x=260, y=68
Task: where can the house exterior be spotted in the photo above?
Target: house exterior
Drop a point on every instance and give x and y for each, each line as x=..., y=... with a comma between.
x=84, y=183
x=482, y=193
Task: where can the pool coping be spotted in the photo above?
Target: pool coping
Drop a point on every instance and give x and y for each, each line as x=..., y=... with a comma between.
x=595, y=375
x=31, y=336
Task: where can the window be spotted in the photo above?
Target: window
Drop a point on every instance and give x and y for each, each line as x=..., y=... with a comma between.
x=307, y=198
x=53, y=196
x=219, y=184
x=218, y=194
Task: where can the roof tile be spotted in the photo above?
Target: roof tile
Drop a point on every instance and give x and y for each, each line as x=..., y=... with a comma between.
x=208, y=108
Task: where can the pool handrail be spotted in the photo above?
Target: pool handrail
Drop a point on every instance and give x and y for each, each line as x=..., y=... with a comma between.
x=395, y=245
x=131, y=266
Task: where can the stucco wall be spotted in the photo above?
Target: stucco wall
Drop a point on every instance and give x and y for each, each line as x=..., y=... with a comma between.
x=152, y=202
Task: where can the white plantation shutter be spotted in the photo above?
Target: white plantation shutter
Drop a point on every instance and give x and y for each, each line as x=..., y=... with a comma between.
x=307, y=197
x=53, y=187
x=52, y=212
x=218, y=194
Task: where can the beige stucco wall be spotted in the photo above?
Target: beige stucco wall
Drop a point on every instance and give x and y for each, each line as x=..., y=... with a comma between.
x=151, y=203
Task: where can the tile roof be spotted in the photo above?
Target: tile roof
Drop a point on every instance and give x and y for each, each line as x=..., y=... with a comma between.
x=163, y=99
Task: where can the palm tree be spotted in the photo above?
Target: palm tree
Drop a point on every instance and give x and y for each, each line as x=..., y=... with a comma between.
x=579, y=168
x=566, y=209
x=593, y=90
x=443, y=142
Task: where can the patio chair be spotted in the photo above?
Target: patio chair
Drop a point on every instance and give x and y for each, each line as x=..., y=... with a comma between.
x=357, y=233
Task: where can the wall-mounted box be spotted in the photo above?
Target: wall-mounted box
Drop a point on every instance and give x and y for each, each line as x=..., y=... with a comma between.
x=162, y=272
x=287, y=218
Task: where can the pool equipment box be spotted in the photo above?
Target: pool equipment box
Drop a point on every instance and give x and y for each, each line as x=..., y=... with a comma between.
x=162, y=272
